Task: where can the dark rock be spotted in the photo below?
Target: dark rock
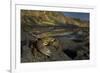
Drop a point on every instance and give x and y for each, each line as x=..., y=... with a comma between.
x=71, y=53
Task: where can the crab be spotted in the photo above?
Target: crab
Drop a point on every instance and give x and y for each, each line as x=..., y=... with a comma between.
x=42, y=45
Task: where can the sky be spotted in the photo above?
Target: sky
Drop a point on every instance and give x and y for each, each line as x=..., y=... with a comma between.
x=82, y=16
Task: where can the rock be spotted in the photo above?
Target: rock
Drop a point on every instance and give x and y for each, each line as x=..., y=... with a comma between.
x=71, y=53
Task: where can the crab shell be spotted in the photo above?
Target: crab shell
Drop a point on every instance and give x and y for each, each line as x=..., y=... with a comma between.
x=43, y=48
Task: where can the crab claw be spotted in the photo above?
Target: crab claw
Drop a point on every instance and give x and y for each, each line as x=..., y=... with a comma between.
x=46, y=51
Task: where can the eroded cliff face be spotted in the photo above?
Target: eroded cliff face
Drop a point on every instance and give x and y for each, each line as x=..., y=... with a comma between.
x=49, y=18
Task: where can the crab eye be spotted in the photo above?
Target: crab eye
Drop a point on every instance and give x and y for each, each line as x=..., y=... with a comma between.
x=52, y=40
x=45, y=43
